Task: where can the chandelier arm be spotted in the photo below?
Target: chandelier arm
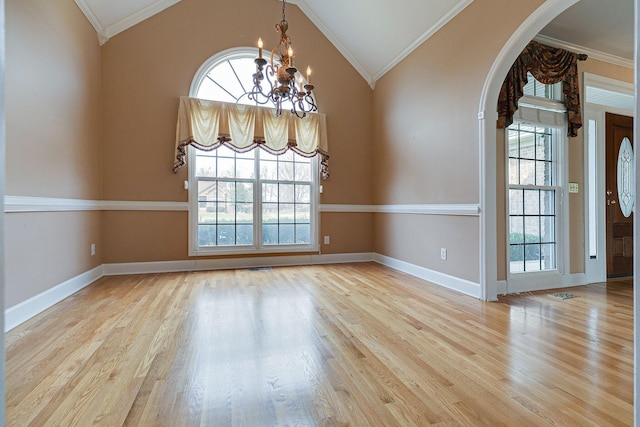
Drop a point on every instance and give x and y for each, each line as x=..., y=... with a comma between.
x=279, y=74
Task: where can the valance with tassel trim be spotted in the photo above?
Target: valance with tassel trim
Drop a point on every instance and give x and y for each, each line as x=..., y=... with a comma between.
x=548, y=65
x=209, y=124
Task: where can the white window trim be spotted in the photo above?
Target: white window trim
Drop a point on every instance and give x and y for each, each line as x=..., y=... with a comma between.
x=539, y=280
x=257, y=247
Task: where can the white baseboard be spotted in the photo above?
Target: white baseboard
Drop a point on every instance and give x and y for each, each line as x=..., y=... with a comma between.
x=455, y=283
x=501, y=287
x=231, y=263
x=25, y=310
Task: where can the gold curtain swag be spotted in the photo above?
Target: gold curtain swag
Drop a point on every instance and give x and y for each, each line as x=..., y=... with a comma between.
x=209, y=124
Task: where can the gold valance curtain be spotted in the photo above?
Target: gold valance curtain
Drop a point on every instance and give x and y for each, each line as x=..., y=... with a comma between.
x=208, y=124
x=548, y=65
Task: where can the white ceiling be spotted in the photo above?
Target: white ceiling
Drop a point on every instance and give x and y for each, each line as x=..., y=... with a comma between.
x=374, y=35
x=603, y=26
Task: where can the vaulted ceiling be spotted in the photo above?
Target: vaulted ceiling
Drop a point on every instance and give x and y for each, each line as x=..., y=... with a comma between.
x=367, y=32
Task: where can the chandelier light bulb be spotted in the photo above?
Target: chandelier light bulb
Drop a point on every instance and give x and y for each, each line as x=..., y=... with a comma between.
x=275, y=81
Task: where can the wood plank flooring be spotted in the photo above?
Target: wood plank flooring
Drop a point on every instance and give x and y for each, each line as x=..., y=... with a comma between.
x=353, y=344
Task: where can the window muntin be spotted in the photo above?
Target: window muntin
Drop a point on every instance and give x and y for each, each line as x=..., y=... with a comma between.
x=533, y=196
x=247, y=202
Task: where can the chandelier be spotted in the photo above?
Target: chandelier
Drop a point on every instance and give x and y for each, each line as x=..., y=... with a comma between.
x=279, y=76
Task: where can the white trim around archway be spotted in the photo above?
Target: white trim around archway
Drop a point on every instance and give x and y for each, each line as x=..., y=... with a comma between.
x=487, y=117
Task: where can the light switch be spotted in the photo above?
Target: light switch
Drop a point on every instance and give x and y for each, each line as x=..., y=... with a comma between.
x=573, y=187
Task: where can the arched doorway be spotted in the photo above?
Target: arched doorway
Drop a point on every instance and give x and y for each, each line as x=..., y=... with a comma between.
x=487, y=117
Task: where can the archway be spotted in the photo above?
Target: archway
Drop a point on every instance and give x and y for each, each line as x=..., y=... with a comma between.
x=487, y=117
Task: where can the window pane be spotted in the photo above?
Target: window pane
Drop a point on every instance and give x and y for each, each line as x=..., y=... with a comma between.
x=286, y=234
x=245, y=168
x=270, y=234
x=226, y=235
x=244, y=192
x=286, y=193
x=516, y=202
x=226, y=167
x=531, y=202
x=516, y=258
x=226, y=191
x=206, y=235
x=544, y=173
x=285, y=171
x=270, y=212
x=226, y=213
x=514, y=171
x=527, y=172
x=268, y=170
x=303, y=172
x=303, y=233
x=303, y=193
x=516, y=229
x=547, y=229
x=244, y=234
x=303, y=213
x=270, y=193
x=286, y=213
x=531, y=257
x=207, y=213
x=205, y=166
x=532, y=229
x=547, y=202
x=548, y=256
x=286, y=156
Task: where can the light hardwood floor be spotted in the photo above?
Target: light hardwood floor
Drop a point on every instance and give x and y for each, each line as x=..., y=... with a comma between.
x=356, y=344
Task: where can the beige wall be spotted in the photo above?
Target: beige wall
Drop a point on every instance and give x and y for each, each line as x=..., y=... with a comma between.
x=53, y=86
x=148, y=67
x=576, y=174
x=426, y=136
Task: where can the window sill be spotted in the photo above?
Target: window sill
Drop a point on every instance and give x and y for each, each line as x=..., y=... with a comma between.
x=252, y=251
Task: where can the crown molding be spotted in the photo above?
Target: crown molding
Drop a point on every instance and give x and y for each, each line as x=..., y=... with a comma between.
x=304, y=7
x=139, y=16
x=457, y=8
x=106, y=32
x=94, y=20
x=593, y=54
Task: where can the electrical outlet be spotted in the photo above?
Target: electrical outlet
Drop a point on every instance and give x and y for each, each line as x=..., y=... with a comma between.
x=443, y=253
x=93, y=249
x=327, y=240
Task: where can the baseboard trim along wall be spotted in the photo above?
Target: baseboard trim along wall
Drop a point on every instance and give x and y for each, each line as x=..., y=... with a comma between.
x=454, y=283
x=231, y=263
x=25, y=310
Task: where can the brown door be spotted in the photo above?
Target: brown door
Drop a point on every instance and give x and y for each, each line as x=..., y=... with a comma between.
x=619, y=227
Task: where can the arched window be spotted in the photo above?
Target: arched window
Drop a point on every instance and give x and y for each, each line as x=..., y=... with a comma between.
x=228, y=77
x=252, y=201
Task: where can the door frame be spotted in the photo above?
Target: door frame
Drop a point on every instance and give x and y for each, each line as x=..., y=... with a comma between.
x=596, y=268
